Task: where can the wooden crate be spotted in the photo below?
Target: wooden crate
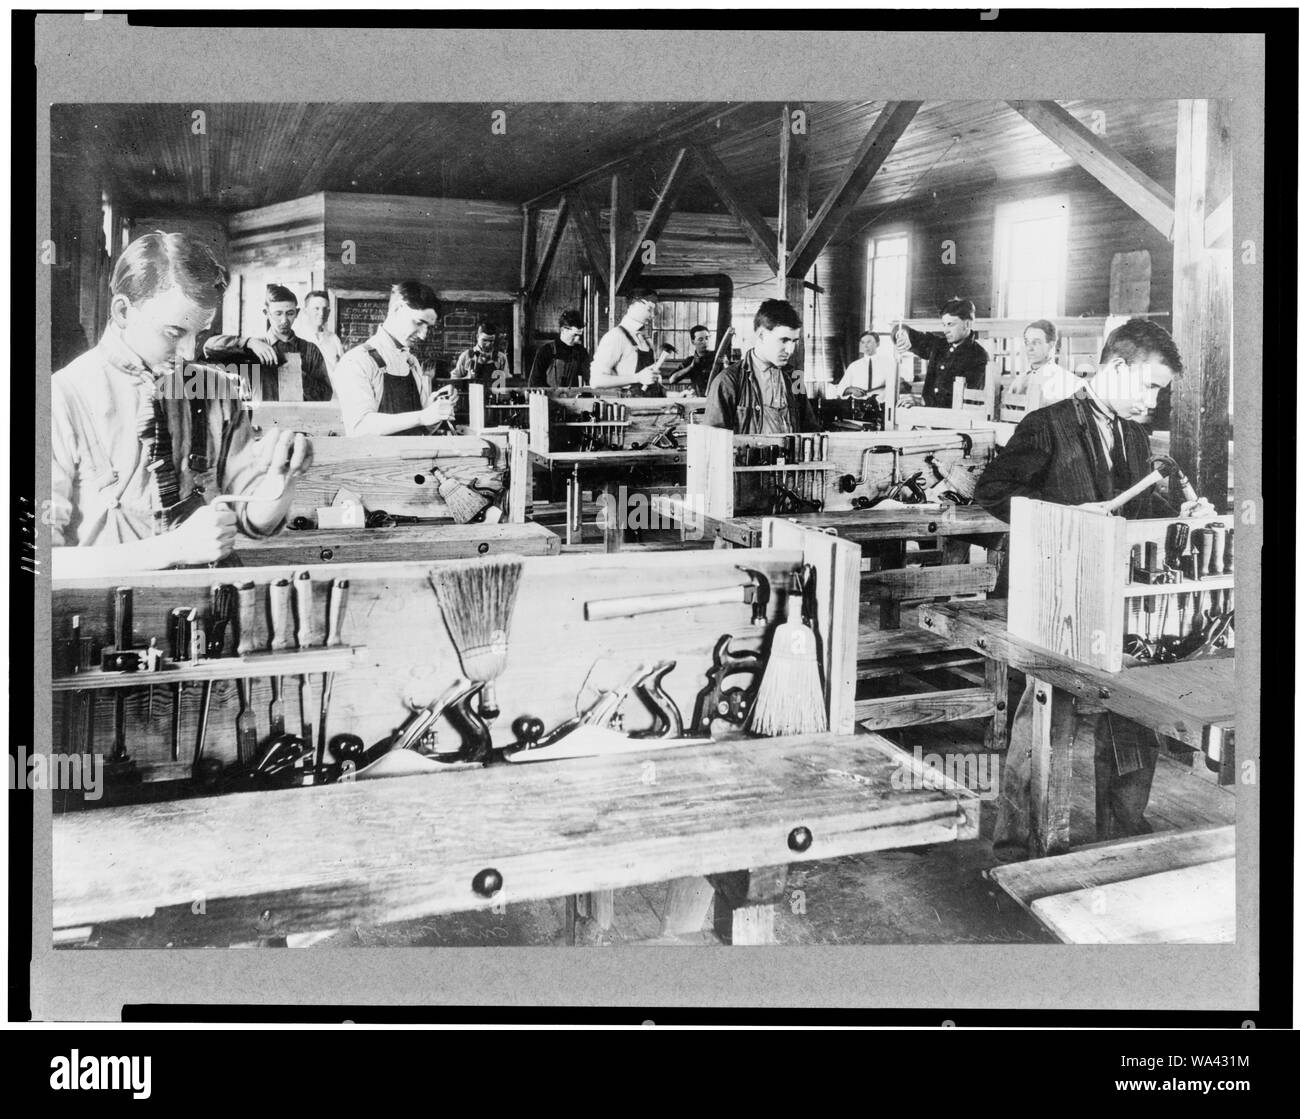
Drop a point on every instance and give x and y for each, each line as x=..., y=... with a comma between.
x=393, y=472
x=1069, y=588
x=553, y=415
x=717, y=488
x=555, y=655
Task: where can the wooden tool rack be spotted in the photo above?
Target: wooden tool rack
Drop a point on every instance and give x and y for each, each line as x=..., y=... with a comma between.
x=734, y=811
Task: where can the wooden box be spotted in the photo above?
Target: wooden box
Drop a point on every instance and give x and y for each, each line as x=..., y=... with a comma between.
x=1069, y=580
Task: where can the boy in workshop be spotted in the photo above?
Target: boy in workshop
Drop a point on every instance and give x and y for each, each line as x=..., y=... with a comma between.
x=955, y=354
x=565, y=362
x=1053, y=381
x=1083, y=451
x=699, y=366
x=286, y=368
x=625, y=355
x=380, y=385
x=482, y=362
x=760, y=394
x=136, y=465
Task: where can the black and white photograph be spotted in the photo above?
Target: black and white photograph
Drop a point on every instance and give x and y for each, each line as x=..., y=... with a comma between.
x=611, y=524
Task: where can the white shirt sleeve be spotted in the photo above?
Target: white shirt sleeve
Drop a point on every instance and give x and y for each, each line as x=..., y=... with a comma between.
x=609, y=352
x=354, y=386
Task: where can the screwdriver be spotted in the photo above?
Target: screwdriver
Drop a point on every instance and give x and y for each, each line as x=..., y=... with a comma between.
x=1152, y=567
x=1176, y=538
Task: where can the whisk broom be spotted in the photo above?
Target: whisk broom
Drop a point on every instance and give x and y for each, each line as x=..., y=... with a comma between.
x=789, y=699
x=464, y=503
x=478, y=602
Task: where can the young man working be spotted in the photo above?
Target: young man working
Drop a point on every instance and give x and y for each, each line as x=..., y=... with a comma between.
x=310, y=327
x=699, y=365
x=564, y=363
x=381, y=387
x=482, y=362
x=759, y=394
x=1054, y=382
x=625, y=355
x=862, y=373
x=1082, y=451
x=955, y=354
x=288, y=369
x=132, y=473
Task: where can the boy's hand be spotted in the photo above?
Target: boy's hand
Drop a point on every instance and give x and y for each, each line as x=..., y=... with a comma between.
x=205, y=537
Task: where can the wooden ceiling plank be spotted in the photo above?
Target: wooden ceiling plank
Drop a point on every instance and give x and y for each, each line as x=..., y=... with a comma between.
x=1122, y=178
x=888, y=126
x=662, y=210
x=760, y=234
x=589, y=234
x=672, y=137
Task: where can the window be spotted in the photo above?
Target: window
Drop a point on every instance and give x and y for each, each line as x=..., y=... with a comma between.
x=887, y=278
x=1029, y=241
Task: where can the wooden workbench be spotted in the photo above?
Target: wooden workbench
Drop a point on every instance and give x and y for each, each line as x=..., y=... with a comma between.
x=862, y=526
x=1193, y=702
x=601, y=467
x=400, y=542
x=368, y=852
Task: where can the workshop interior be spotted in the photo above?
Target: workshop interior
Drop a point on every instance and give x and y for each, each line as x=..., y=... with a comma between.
x=642, y=523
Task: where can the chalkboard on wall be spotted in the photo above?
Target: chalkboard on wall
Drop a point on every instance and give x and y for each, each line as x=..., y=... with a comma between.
x=358, y=314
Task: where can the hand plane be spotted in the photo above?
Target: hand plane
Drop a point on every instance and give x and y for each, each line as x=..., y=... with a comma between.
x=599, y=730
x=717, y=701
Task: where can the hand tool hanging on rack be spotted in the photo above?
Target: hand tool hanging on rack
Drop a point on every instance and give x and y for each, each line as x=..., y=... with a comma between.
x=755, y=593
x=281, y=626
x=307, y=639
x=717, y=700
x=338, y=601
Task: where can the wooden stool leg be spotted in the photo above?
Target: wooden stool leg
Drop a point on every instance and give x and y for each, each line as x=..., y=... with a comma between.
x=1049, y=777
x=687, y=906
x=997, y=733
x=744, y=907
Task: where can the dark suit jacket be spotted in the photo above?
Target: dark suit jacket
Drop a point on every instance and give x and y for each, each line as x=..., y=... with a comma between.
x=1056, y=455
x=944, y=364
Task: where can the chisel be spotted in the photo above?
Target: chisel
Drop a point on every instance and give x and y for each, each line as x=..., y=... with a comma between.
x=281, y=625
x=338, y=602
x=205, y=705
x=1217, y=533
x=1228, y=565
x=1176, y=538
x=1134, y=605
x=1152, y=567
x=306, y=639
x=245, y=727
x=249, y=639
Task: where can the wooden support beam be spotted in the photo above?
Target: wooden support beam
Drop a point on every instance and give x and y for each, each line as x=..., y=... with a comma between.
x=792, y=208
x=745, y=212
x=1130, y=185
x=854, y=179
x=634, y=264
x=1219, y=224
x=523, y=310
x=1202, y=304
x=618, y=204
x=542, y=269
x=588, y=228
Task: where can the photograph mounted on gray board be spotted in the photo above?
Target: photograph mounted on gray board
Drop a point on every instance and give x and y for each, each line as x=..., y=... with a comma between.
x=923, y=633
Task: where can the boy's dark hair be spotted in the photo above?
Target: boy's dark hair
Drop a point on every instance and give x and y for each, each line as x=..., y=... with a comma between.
x=316, y=295
x=874, y=334
x=157, y=262
x=696, y=329
x=1142, y=336
x=959, y=308
x=571, y=317
x=776, y=312
x=278, y=293
x=486, y=326
x=638, y=295
x=1048, y=328
x=417, y=296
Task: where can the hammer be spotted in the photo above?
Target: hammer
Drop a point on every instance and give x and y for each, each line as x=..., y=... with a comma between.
x=755, y=593
x=1162, y=466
